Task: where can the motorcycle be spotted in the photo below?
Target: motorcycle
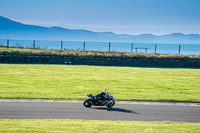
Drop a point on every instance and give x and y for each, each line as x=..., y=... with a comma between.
x=108, y=101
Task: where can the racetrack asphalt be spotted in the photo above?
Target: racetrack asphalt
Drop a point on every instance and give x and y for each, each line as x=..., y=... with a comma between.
x=71, y=110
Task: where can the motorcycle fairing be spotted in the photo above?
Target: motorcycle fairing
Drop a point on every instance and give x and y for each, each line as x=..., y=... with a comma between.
x=91, y=96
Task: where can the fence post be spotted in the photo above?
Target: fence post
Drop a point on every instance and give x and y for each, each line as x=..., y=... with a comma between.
x=33, y=43
x=109, y=46
x=155, y=48
x=179, y=49
x=84, y=46
x=7, y=43
x=61, y=45
x=145, y=50
x=131, y=47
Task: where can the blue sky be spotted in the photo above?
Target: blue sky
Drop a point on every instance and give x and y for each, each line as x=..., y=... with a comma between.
x=119, y=16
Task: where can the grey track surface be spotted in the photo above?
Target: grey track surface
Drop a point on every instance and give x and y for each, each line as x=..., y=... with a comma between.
x=132, y=112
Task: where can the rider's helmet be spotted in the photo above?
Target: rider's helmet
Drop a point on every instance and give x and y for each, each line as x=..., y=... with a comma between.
x=105, y=91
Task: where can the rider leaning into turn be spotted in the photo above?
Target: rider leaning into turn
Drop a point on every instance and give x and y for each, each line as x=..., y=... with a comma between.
x=102, y=95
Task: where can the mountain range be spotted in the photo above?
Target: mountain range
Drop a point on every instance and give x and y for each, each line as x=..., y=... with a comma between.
x=10, y=29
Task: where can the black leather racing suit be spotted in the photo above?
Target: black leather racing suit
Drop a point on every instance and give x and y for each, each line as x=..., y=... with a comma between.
x=100, y=96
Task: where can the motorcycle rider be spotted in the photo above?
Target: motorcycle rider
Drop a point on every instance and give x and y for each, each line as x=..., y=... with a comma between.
x=101, y=96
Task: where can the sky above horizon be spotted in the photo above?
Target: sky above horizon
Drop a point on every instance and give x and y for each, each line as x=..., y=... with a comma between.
x=119, y=16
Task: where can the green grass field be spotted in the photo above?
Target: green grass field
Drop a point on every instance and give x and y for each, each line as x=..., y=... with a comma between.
x=77, y=126
x=75, y=82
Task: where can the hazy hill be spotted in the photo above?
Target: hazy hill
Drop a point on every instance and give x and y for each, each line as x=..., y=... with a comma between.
x=15, y=30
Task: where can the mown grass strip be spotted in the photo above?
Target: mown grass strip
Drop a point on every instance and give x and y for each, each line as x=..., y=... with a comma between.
x=95, y=126
x=75, y=82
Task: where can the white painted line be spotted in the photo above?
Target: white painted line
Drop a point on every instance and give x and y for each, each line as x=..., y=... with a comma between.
x=118, y=102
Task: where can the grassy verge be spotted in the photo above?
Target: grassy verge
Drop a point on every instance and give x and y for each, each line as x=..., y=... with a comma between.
x=77, y=126
x=71, y=52
x=75, y=82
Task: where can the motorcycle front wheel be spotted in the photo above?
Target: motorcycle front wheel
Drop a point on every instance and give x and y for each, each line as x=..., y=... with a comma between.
x=110, y=104
x=88, y=103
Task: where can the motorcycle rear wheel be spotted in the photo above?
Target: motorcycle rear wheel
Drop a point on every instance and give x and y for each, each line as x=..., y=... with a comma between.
x=88, y=103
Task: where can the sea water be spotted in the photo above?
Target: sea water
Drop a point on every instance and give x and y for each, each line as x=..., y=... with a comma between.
x=106, y=46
